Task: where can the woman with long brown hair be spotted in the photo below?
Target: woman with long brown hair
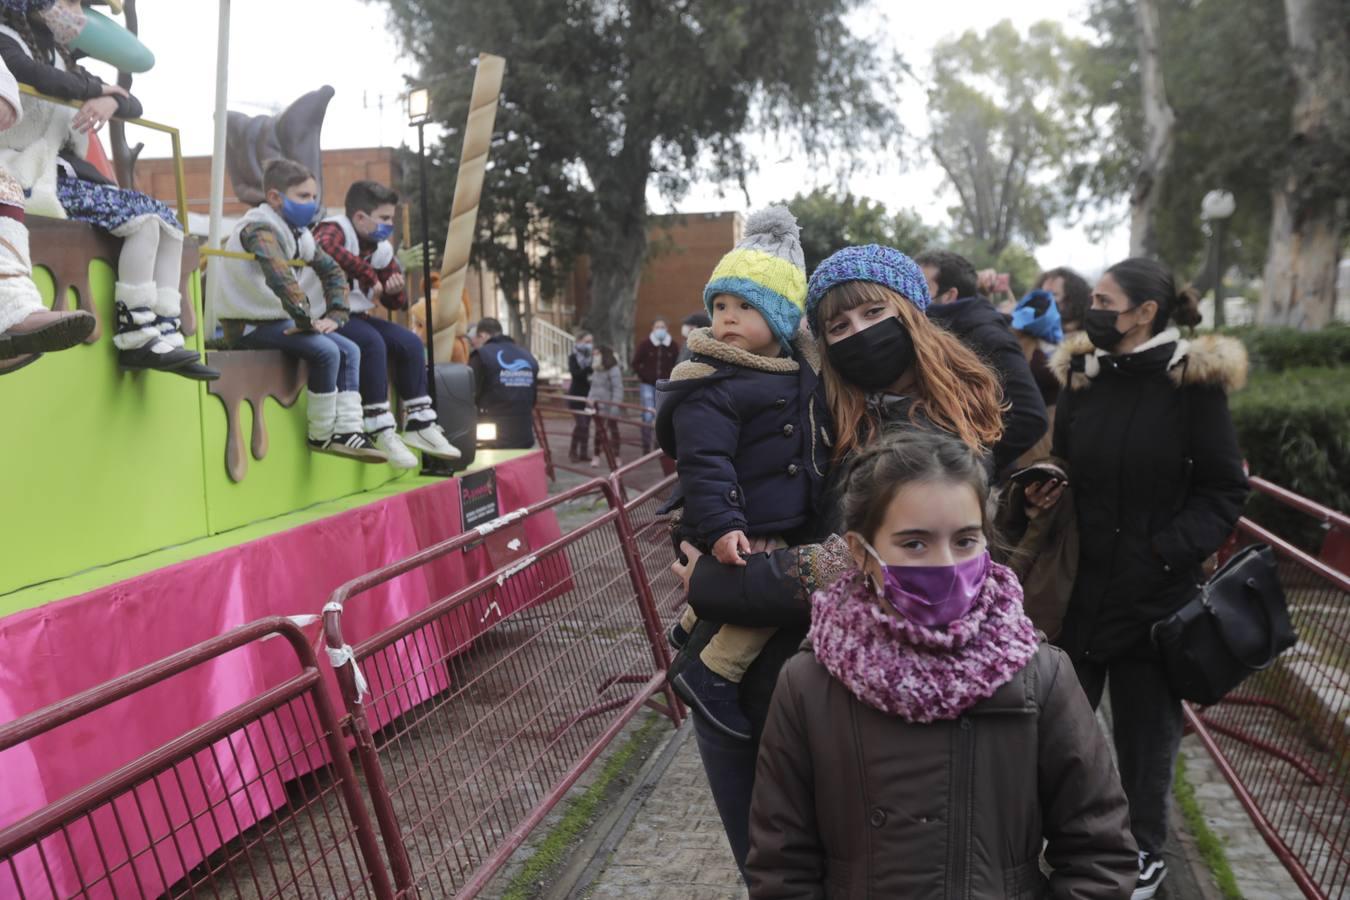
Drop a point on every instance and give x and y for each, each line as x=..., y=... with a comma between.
x=886, y=367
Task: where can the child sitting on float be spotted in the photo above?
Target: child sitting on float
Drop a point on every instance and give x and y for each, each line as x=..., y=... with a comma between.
x=46, y=154
x=263, y=306
x=359, y=242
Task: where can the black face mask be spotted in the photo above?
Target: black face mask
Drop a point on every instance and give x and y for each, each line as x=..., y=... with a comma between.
x=1100, y=325
x=875, y=357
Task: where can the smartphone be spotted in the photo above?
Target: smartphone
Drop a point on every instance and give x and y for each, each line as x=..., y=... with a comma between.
x=1038, y=473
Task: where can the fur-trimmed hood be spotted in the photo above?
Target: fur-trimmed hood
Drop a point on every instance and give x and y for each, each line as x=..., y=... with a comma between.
x=1211, y=359
x=702, y=343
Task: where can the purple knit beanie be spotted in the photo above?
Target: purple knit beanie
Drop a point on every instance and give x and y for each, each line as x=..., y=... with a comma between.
x=885, y=266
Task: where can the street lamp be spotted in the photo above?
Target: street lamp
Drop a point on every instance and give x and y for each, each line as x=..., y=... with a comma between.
x=419, y=113
x=1216, y=208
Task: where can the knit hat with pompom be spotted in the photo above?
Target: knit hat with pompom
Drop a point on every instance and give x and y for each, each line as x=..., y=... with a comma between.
x=767, y=270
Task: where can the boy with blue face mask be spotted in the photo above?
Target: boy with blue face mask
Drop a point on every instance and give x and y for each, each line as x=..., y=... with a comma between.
x=263, y=305
x=358, y=241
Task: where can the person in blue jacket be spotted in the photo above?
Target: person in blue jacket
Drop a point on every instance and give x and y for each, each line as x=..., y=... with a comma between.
x=745, y=419
x=506, y=379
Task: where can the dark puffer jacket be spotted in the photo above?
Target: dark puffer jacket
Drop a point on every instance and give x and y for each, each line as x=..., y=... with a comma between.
x=749, y=435
x=1157, y=478
x=652, y=362
x=851, y=802
x=984, y=329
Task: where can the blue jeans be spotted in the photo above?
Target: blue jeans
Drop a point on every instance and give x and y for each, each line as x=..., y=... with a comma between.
x=730, y=767
x=380, y=340
x=647, y=393
x=334, y=362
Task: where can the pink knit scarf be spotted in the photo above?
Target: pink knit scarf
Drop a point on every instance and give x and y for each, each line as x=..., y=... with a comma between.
x=922, y=674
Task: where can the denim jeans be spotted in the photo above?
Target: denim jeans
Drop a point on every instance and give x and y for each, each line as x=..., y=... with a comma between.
x=1146, y=726
x=647, y=393
x=334, y=362
x=381, y=340
x=730, y=767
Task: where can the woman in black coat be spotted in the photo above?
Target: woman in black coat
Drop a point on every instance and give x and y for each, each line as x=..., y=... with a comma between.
x=1158, y=485
x=579, y=365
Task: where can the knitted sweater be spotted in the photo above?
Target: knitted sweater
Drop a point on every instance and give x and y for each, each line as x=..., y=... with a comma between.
x=269, y=290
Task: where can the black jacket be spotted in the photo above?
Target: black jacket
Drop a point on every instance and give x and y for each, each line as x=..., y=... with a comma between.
x=749, y=436
x=581, y=380
x=1157, y=478
x=984, y=329
x=506, y=378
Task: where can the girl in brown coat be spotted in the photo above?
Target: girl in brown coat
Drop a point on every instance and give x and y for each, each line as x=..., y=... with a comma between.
x=929, y=743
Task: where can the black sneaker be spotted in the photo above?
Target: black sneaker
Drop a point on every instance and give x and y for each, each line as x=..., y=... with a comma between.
x=354, y=445
x=677, y=637
x=1152, y=870
x=715, y=698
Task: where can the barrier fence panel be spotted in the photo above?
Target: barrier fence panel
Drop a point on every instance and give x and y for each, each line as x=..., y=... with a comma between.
x=651, y=533
x=474, y=717
x=614, y=434
x=201, y=815
x=1282, y=739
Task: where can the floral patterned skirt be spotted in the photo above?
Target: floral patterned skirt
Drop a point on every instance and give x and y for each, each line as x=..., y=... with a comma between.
x=106, y=206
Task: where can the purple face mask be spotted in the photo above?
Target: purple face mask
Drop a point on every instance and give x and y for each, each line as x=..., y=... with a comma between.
x=933, y=596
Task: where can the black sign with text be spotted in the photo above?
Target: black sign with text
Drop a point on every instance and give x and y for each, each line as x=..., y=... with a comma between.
x=478, y=498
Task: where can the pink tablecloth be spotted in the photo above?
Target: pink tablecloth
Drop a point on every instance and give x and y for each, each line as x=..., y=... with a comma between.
x=62, y=648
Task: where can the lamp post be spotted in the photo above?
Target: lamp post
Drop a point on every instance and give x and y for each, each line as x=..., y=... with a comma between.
x=419, y=113
x=1216, y=208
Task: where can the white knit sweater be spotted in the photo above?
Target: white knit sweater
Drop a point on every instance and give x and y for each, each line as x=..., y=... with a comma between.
x=244, y=292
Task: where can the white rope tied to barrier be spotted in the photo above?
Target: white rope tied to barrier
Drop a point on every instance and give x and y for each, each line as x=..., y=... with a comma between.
x=341, y=656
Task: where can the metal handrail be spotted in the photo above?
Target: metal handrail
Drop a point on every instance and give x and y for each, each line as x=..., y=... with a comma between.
x=1286, y=497
x=179, y=177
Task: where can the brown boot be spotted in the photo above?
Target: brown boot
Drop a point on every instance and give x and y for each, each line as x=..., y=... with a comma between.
x=46, y=331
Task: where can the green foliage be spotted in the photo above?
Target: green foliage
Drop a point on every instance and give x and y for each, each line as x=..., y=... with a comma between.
x=1278, y=349
x=1209, y=844
x=1294, y=428
x=609, y=94
x=1003, y=114
x=832, y=221
x=1229, y=85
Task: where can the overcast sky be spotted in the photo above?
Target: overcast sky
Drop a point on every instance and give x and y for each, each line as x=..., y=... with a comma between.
x=303, y=48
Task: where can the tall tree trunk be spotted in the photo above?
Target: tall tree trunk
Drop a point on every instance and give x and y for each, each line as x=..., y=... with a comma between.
x=1308, y=218
x=618, y=245
x=1159, y=121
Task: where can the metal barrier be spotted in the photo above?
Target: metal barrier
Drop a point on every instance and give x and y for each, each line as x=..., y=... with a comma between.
x=616, y=430
x=651, y=534
x=1335, y=545
x=474, y=717
x=1282, y=740
x=203, y=813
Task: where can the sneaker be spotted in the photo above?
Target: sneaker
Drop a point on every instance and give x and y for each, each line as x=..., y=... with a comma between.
x=353, y=445
x=1152, y=870
x=400, y=457
x=715, y=698
x=677, y=636
x=431, y=440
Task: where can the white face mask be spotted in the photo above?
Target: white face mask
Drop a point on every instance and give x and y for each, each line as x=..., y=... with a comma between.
x=65, y=23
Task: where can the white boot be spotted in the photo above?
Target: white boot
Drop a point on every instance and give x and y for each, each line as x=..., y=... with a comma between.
x=421, y=431
x=19, y=297
x=322, y=413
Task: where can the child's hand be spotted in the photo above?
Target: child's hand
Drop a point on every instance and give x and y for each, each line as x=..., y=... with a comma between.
x=729, y=548
x=93, y=114
x=115, y=90
x=394, y=283
x=325, y=326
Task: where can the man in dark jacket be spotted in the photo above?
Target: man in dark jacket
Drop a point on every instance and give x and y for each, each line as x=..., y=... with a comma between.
x=506, y=379
x=955, y=306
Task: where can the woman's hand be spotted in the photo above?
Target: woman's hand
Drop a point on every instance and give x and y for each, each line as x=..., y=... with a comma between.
x=1043, y=496
x=115, y=90
x=94, y=113
x=685, y=570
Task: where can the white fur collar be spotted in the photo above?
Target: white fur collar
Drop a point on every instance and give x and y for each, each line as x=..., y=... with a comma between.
x=1092, y=366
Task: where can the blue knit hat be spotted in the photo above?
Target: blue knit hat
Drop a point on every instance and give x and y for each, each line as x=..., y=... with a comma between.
x=1046, y=325
x=885, y=266
x=767, y=270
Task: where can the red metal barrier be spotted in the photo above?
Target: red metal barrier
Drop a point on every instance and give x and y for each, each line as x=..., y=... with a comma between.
x=480, y=712
x=1282, y=741
x=1335, y=549
x=651, y=534
x=259, y=801
x=615, y=431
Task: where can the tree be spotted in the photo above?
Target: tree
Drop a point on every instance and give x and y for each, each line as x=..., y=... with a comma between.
x=1159, y=123
x=1309, y=196
x=1002, y=110
x=831, y=221
x=627, y=91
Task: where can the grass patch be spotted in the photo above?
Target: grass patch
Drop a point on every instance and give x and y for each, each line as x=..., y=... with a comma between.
x=577, y=816
x=1211, y=848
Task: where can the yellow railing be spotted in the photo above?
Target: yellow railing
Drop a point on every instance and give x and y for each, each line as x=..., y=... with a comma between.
x=172, y=132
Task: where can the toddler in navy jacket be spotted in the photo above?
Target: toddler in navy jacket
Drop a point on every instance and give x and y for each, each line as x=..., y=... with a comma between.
x=746, y=422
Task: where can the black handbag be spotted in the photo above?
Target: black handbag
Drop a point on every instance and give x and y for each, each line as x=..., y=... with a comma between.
x=1238, y=624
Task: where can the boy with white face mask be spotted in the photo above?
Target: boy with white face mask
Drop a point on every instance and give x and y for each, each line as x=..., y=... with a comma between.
x=358, y=241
